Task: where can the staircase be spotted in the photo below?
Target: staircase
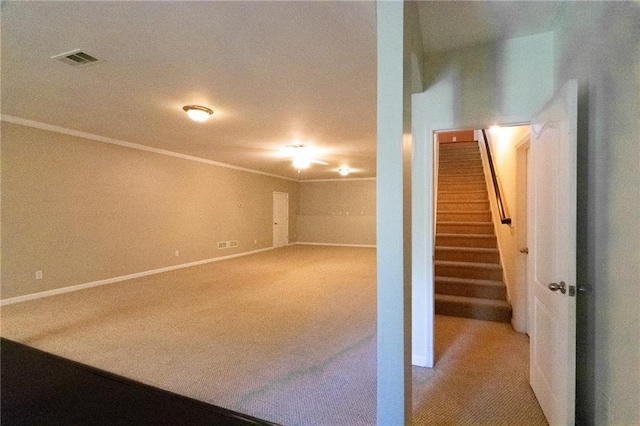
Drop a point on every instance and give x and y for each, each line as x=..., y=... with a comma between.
x=468, y=275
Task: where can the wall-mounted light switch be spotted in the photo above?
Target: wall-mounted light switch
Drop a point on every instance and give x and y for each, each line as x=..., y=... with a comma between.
x=38, y=275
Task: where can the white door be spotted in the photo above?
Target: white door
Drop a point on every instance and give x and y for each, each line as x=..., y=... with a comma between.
x=280, y=219
x=552, y=251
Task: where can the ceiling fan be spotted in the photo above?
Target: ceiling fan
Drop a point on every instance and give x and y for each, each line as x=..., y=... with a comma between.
x=302, y=156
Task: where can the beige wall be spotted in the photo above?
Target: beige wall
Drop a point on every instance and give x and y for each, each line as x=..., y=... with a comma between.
x=504, y=142
x=337, y=212
x=82, y=211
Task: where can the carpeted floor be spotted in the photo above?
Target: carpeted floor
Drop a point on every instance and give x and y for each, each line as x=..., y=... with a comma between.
x=286, y=335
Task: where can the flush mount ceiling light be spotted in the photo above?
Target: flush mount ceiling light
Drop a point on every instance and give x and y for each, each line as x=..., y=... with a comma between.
x=344, y=171
x=197, y=113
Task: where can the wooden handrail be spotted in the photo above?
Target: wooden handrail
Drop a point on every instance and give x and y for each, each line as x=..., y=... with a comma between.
x=503, y=216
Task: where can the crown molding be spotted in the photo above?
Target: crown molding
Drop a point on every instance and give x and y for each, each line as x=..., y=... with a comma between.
x=103, y=139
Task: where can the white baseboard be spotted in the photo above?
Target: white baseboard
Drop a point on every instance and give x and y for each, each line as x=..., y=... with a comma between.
x=41, y=294
x=336, y=245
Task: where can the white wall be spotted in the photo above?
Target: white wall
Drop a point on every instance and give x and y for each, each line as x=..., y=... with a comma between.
x=393, y=368
x=505, y=82
x=599, y=44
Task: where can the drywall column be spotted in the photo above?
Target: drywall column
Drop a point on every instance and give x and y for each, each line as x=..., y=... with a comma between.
x=422, y=216
x=394, y=374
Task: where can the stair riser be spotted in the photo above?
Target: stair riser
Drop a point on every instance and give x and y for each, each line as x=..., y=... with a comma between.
x=460, y=160
x=462, y=186
x=476, y=312
x=473, y=273
x=470, y=290
x=464, y=217
x=460, y=150
x=454, y=179
x=461, y=196
x=465, y=229
x=467, y=256
x=463, y=207
x=470, y=161
x=465, y=241
x=457, y=171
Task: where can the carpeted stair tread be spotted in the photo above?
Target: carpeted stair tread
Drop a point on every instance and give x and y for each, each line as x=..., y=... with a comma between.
x=474, y=301
x=444, y=222
x=467, y=264
x=461, y=201
x=468, y=235
x=473, y=307
x=465, y=215
x=469, y=287
x=467, y=254
x=463, y=195
x=474, y=191
x=470, y=249
x=469, y=212
x=461, y=162
x=455, y=280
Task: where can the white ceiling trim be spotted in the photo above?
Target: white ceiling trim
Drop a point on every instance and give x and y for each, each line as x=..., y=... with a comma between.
x=97, y=138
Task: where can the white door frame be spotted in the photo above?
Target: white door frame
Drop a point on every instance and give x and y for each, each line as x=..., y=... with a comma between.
x=423, y=218
x=522, y=298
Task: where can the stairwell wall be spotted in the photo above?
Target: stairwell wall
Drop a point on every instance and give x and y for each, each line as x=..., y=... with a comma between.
x=503, y=143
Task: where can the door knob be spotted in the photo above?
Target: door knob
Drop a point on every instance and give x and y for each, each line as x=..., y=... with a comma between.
x=524, y=250
x=555, y=287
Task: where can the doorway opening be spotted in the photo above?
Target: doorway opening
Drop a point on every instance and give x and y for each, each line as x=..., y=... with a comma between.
x=480, y=223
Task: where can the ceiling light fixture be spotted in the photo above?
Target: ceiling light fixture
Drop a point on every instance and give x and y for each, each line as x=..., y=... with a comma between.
x=302, y=156
x=344, y=171
x=197, y=113
x=301, y=163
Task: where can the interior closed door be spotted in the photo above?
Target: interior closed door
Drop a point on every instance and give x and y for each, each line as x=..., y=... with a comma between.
x=280, y=219
x=552, y=251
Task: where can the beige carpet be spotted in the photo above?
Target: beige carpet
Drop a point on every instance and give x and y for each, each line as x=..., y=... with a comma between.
x=286, y=335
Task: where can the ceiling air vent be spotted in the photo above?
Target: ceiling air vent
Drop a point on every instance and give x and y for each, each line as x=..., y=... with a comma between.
x=76, y=58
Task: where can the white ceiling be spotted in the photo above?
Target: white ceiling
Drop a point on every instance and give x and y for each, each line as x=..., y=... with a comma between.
x=273, y=72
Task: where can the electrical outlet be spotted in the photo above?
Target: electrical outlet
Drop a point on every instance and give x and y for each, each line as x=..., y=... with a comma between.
x=233, y=243
x=177, y=253
x=38, y=275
